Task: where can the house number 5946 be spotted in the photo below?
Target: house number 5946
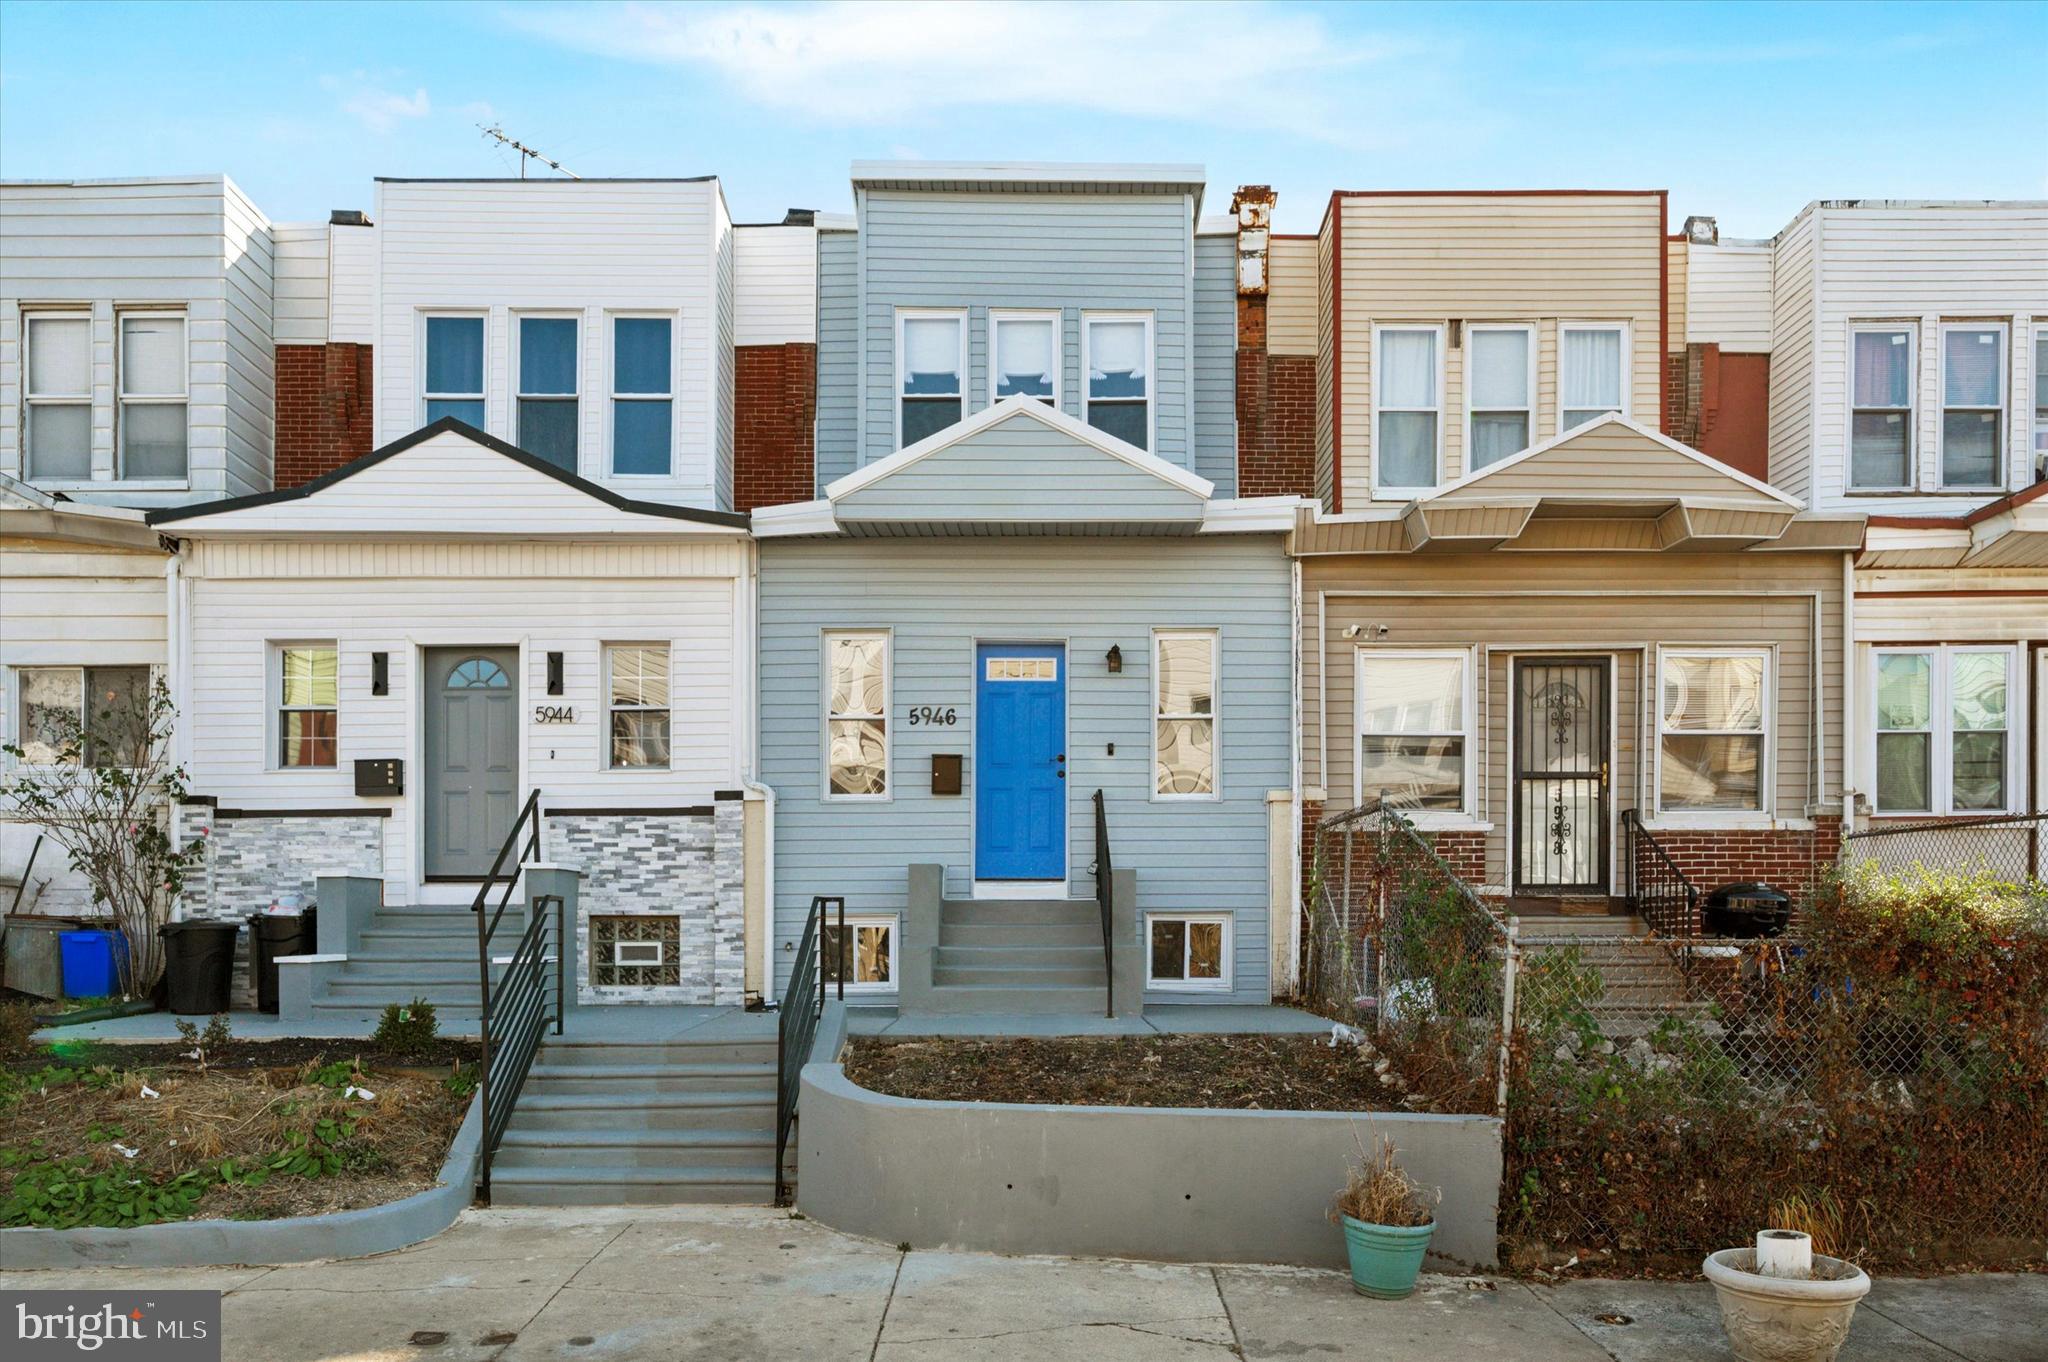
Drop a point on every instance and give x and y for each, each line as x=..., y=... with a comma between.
x=933, y=716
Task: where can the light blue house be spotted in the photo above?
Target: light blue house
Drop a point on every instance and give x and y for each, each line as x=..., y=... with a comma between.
x=1026, y=627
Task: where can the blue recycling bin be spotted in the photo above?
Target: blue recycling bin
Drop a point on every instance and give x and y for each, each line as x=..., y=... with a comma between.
x=93, y=963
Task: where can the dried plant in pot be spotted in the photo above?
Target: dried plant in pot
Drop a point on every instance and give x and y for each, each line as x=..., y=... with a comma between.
x=1388, y=1220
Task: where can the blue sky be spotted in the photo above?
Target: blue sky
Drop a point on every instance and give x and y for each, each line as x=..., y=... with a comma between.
x=1744, y=111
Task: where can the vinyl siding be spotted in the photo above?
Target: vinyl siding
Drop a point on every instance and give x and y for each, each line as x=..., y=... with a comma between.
x=299, y=302
x=400, y=597
x=195, y=245
x=1215, y=344
x=1728, y=296
x=1595, y=461
x=1676, y=297
x=1073, y=252
x=352, y=284
x=938, y=599
x=1326, y=369
x=588, y=247
x=776, y=289
x=1794, y=296
x=724, y=374
x=838, y=418
x=1557, y=605
x=1291, y=317
x=1540, y=259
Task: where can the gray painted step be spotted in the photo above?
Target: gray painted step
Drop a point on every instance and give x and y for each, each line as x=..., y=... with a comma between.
x=1021, y=912
x=999, y=999
x=1037, y=957
x=582, y=1112
x=1036, y=935
x=1018, y=976
x=569, y=1050
x=679, y=1184
x=556, y=1079
x=750, y=1152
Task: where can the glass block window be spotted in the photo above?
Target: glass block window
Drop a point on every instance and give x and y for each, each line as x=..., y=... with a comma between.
x=636, y=950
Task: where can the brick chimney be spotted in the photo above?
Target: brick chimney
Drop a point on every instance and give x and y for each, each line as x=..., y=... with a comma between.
x=1276, y=393
x=323, y=394
x=775, y=406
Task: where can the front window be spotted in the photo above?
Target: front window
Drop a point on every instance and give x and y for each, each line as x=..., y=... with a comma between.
x=1409, y=381
x=1499, y=390
x=1881, y=408
x=1413, y=713
x=857, y=715
x=931, y=365
x=57, y=397
x=454, y=372
x=1943, y=720
x=1595, y=370
x=1711, y=730
x=307, y=722
x=643, y=425
x=547, y=389
x=864, y=957
x=1972, y=405
x=1184, y=711
x=1188, y=951
x=637, y=706
x=104, y=710
x=1119, y=359
x=1024, y=356
x=153, y=378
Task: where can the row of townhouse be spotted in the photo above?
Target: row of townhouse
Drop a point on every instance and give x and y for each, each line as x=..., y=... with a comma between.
x=1027, y=521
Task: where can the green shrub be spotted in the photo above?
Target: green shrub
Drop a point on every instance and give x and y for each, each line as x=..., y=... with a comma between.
x=408, y=1030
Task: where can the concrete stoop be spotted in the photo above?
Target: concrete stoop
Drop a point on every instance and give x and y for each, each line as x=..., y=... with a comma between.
x=1021, y=956
x=418, y=951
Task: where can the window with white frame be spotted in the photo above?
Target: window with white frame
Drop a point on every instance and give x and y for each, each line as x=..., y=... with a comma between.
x=1117, y=352
x=1880, y=408
x=1414, y=716
x=1592, y=372
x=452, y=379
x=95, y=716
x=150, y=438
x=547, y=405
x=1972, y=405
x=2041, y=405
x=1024, y=356
x=1184, y=711
x=931, y=373
x=1408, y=406
x=1713, y=730
x=857, y=715
x=1188, y=950
x=308, y=724
x=637, y=705
x=643, y=388
x=1943, y=719
x=865, y=956
x=57, y=396
x=1500, y=387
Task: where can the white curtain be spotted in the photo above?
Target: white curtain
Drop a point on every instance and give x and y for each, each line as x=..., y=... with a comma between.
x=1592, y=370
x=931, y=345
x=1500, y=369
x=1411, y=694
x=1972, y=369
x=1115, y=348
x=1408, y=369
x=59, y=356
x=1024, y=350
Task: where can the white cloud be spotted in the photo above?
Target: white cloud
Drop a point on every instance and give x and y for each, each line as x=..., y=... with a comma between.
x=365, y=99
x=877, y=61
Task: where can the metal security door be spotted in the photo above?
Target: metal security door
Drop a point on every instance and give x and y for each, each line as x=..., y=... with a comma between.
x=1020, y=762
x=1561, y=750
x=472, y=758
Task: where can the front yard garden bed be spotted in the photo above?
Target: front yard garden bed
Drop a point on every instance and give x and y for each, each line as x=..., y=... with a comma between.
x=1246, y=1073
x=120, y=1136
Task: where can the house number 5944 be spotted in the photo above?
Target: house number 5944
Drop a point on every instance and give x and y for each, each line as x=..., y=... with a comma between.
x=554, y=714
x=933, y=716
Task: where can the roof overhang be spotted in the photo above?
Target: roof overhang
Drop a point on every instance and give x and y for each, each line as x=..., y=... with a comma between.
x=2011, y=532
x=1069, y=177
x=29, y=514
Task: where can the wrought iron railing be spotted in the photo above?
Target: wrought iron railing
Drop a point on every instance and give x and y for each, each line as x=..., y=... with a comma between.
x=2013, y=848
x=796, y=1026
x=527, y=999
x=1105, y=872
x=527, y=824
x=1658, y=891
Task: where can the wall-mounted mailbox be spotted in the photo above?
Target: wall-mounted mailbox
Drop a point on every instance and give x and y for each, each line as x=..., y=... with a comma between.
x=380, y=673
x=380, y=776
x=946, y=773
x=554, y=673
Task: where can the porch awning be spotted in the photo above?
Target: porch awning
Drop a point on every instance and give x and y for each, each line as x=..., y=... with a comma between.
x=2011, y=532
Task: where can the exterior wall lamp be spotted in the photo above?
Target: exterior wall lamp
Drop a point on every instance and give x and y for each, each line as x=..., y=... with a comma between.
x=1115, y=659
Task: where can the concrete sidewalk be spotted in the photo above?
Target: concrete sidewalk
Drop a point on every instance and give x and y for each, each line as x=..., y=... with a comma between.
x=715, y=1284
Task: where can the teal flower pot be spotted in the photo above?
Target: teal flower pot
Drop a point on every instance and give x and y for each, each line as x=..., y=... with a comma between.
x=1385, y=1258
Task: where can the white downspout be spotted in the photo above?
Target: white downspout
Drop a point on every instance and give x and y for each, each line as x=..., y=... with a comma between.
x=1852, y=741
x=750, y=749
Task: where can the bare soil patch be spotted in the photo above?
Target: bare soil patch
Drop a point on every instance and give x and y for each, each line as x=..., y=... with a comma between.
x=1248, y=1073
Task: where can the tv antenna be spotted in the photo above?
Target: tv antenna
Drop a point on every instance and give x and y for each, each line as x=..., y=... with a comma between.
x=526, y=153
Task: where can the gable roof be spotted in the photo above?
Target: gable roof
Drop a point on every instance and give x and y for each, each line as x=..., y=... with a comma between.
x=1659, y=467
x=445, y=434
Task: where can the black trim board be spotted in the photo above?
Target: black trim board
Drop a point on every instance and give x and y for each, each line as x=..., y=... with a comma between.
x=358, y=812
x=446, y=425
x=690, y=811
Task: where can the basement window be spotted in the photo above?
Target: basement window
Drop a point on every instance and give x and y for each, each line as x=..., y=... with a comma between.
x=864, y=957
x=635, y=950
x=1188, y=951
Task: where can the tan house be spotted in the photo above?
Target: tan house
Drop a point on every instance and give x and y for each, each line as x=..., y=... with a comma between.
x=1564, y=640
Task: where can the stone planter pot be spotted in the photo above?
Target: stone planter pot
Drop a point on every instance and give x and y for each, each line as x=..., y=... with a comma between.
x=1785, y=1319
x=1385, y=1258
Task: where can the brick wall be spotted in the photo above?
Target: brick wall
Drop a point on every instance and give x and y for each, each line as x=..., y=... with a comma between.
x=1276, y=412
x=323, y=409
x=1720, y=405
x=1787, y=858
x=775, y=403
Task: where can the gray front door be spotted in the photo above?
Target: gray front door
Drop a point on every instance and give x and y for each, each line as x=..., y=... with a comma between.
x=472, y=776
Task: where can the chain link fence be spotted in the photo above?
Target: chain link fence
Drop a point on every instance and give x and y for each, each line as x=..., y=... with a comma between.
x=2011, y=849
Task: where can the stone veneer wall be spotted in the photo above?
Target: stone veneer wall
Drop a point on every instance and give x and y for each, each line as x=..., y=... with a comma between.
x=685, y=863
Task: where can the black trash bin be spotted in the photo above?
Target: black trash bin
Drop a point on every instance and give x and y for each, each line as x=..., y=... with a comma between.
x=275, y=934
x=1747, y=911
x=199, y=966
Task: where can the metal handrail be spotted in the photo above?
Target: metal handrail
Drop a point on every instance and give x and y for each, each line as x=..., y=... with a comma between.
x=796, y=1026
x=516, y=1013
x=485, y=930
x=1104, y=876
x=1659, y=892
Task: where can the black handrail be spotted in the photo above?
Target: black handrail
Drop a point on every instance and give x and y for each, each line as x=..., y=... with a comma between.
x=485, y=930
x=1104, y=875
x=796, y=1026
x=516, y=1013
x=1658, y=891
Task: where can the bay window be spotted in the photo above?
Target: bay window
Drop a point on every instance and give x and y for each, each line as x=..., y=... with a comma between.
x=1944, y=720
x=547, y=405
x=150, y=437
x=1414, y=713
x=1881, y=408
x=931, y=369
x=1500, y=384
x=1593, y=372
x=1184, y=714
x=453, y=375
x=1972, y=406
x=1408, y=406
x=643, y=406
x=1024, y=356
x=57, y=395
x=857, y=715
x=1117, y=353
x=1713, y=727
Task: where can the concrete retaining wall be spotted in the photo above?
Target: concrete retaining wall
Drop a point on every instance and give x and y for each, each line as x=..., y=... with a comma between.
x=257, y=1243
x=1191, y=1185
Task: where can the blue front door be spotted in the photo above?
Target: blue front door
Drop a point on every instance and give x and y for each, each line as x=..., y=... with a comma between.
x=1020, y=762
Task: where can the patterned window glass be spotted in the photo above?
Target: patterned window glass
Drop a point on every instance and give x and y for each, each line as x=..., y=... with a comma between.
x=638, y=705
x=857, y=714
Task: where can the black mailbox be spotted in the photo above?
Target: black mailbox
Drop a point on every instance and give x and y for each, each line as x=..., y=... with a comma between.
x=380, y=776
x=945, y=773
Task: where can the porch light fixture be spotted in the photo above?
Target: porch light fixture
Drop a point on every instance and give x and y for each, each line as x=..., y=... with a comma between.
x=380, y=673
x=1115, y=659
x=554, y=673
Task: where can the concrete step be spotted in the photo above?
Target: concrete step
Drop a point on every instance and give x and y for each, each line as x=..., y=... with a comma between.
x=426, y=968
x=1035, y=957
x=1018, y=976
x=750, y=1151
x=668, y=1185
x=1029, y=935
x=579, y=1112
x=572, y=1050
x=1020, y=912
x=997, y=998
x=559, y=1079
x=455, y=984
